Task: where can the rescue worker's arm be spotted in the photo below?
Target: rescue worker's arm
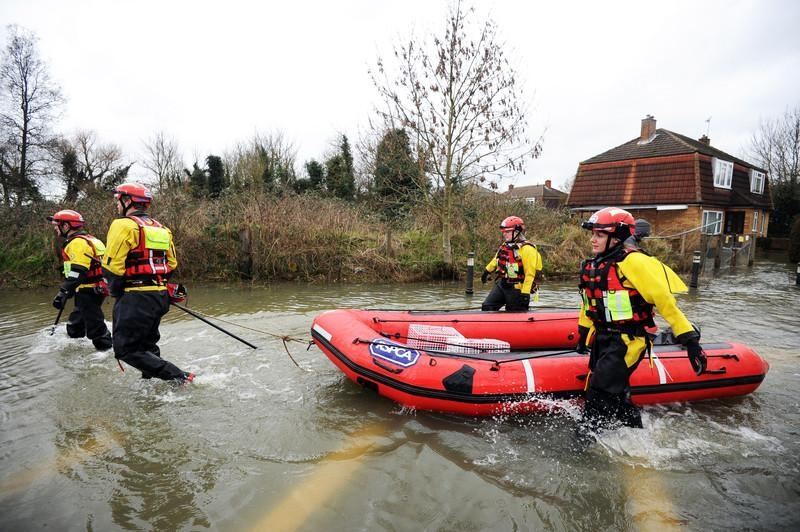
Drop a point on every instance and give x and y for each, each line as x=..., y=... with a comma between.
x=585, y=330
x=492, y=266
x=172, y=258
x=79, y=252
x=532, y=264
x=584, y=320
x=647, y=276
x=123, y=235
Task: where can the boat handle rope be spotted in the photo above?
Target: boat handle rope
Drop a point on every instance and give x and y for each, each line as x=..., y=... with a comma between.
x=451, y=309
x=531, y=319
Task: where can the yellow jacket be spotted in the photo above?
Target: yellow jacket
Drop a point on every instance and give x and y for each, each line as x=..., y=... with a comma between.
x=531, y=263
x=656, y=283
x=123, y=236
x=79, y=261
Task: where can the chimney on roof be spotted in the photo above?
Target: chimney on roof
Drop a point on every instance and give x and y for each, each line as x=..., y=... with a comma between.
x=705, y=140
x=510, y=187
x=648, y=128
x=547, y=183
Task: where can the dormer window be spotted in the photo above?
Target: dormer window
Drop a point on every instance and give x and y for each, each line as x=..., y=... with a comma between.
x=757, y=181
x=723, y=173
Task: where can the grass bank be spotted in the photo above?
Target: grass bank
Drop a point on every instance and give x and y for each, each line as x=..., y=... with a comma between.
x=261, y=238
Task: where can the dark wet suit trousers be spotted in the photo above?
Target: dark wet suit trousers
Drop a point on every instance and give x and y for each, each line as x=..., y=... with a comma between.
x=137, y=316
x=608, y=399
x=501, y=294
x=87, y=319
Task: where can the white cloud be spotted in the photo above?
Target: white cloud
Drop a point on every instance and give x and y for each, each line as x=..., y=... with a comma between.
x=212, y=73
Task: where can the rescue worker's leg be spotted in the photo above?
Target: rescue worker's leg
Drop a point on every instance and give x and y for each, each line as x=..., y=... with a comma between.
x=514, y=299
x=136, y=316
x=614, y=357
x=90, y=304
x=75, y=326
x=496, y=298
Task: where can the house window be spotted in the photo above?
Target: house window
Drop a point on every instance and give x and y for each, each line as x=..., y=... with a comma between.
x=757, y=181
x=532, y=201
x=723, y=173
x=755, y=221
x=712, y=222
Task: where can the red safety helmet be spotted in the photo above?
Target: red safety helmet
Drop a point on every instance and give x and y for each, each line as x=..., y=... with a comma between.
x=617, y=222
x=73, y=218
x=138, y=193
x=512, y=222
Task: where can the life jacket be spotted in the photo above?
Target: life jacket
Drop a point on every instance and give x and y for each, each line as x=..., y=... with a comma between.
x=509, y=262
x=148, y=260
x=608, y=302
x=95, y=273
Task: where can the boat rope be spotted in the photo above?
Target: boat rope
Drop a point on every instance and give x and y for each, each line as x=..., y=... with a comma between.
x=284, y=338
x=531, y=319
x=444, y=311
x=450, y=354
x=431, y=351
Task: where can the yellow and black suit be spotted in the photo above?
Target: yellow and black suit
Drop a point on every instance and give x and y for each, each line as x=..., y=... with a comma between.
x=620, y=290
x=516, y=264
x=82, y=254
x=140, y=256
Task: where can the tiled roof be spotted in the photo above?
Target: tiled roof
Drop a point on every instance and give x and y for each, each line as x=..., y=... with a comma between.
x=656, y=180
x=665, y=143
x=670, y=169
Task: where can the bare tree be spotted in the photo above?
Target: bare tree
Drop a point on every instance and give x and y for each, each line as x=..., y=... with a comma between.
x=264, y=161
x=89, y=165
x=457, y=96
x=164, y=160
x=29, y=103
x=776, y=146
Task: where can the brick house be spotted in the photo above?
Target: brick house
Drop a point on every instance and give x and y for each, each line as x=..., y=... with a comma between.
x=678, y=184
x=544, y=195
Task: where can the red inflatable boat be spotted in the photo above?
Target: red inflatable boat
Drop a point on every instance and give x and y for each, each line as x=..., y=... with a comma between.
x=487, y=363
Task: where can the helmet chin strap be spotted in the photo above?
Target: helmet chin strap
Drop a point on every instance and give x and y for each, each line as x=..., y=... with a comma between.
x=124, y=208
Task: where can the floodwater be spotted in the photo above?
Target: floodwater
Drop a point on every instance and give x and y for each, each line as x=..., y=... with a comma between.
x=256, y=443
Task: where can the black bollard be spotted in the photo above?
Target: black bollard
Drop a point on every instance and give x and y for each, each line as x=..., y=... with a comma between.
x=470, y=271
x=797, y=279
x=695, y=269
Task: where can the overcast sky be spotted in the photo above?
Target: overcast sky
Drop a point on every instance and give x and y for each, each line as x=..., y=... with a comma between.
x=212, y=74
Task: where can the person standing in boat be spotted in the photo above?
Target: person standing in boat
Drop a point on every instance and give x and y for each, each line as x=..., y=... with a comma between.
x=620, y=287
x=140, y=256
x=517, y=264
x=82, y=254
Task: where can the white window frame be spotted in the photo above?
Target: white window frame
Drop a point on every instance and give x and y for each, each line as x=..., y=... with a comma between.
x=755, y=222
x=707, y=227
x=757, y=181
x=723, y=173
x=531, y=200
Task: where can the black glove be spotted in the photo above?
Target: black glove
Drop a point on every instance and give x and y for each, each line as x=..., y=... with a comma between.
x=696, y=356
x=583, y=335
x=61, y=299
x=485, y=276
x=524, y=300
x=116, y=286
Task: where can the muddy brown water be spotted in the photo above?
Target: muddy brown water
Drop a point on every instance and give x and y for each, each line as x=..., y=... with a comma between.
x=258, y=444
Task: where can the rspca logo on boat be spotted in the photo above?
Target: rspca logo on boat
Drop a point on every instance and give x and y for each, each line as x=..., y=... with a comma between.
x=401, y=355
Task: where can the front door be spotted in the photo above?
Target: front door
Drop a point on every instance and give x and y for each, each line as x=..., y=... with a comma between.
x=734, y=222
